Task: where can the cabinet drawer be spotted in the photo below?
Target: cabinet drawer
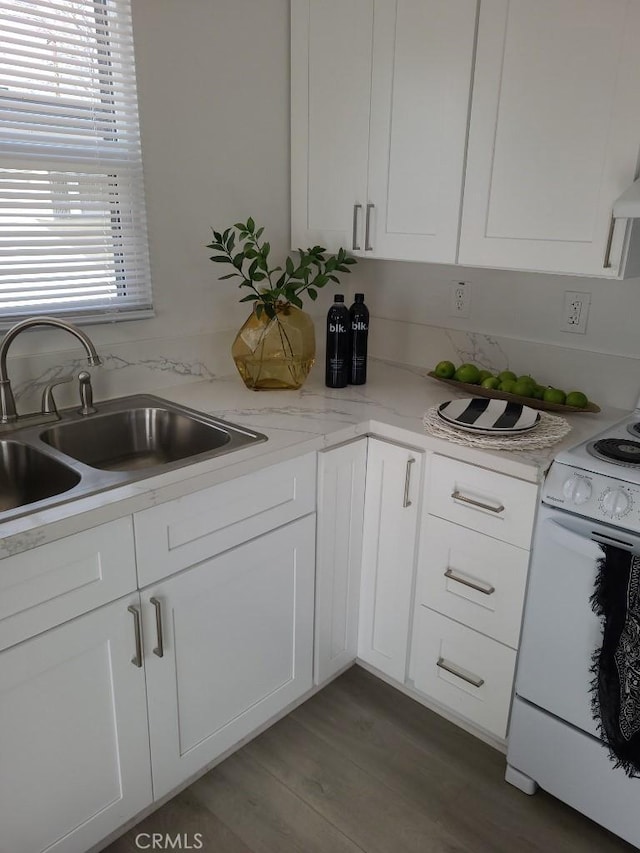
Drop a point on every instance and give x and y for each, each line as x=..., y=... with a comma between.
x=52, y=583
x=481, y=691
x=475, y=579
x=183, y=532
x=483, y=500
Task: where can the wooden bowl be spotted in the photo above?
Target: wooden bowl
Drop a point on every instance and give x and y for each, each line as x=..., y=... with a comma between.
x=479, y=391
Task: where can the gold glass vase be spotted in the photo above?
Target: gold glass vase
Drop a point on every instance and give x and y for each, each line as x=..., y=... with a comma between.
x=275, y=352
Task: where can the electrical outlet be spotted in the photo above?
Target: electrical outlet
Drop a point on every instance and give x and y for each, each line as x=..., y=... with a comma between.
x=460, y=299
x=576, y=312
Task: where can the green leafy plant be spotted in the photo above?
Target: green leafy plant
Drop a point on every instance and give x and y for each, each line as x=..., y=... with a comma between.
x=273, y=288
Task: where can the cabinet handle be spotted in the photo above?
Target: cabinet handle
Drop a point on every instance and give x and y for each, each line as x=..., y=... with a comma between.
x=474, y=680
x=136, y=660
x=458, y=496
x=486, y=589
x=159, y=649
x=407, y=482
x=367, y=230
x=607, y=253
x=354, y=238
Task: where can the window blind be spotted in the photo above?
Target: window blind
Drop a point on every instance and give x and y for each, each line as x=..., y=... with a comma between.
x=73, y=235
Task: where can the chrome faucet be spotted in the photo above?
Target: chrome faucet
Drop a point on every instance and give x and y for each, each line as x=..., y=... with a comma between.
x=8, y=413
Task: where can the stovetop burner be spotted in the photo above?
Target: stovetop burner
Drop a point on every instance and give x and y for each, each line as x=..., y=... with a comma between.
x=618, y=449
x=634, y=428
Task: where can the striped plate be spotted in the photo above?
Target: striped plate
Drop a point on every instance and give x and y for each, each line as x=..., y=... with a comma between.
x=487, y=416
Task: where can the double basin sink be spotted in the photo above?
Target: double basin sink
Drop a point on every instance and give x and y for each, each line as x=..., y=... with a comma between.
x=128, y=439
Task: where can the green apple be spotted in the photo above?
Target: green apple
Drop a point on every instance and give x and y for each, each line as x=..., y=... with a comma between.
x=554, y=395
x=491, y=382
x=445, y=369
x=468, y=373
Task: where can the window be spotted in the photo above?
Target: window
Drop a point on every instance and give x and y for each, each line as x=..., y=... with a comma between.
x=73, y=236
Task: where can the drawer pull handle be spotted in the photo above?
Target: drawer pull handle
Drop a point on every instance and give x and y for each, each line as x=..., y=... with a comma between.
x=367, y=235
x=159, y=649
x=136, y=660
x=607, y=252
x=458, y=496
x=486, y=589
x=474, y=680
x=354, y=240
x=407, y=482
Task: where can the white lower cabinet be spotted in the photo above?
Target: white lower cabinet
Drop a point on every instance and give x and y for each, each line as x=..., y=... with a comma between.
x=74, y=744
x=53, y=583
x=390, y=535
x=228, y=644
x=341, y=485
x=113, y=708
x=183, y=532
x=120, y=704
x=462, y=669
x=471, y=580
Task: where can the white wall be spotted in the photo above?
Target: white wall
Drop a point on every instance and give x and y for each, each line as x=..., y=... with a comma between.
x=515, y=321
x=214, y=102
x=213, y=81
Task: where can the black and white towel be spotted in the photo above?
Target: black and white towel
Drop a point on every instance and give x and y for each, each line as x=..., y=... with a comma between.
x=616, y=666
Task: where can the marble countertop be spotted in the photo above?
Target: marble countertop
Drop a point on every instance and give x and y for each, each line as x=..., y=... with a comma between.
x=391, y=405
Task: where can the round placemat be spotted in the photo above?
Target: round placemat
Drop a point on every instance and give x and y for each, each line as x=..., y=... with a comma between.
x=549, y=430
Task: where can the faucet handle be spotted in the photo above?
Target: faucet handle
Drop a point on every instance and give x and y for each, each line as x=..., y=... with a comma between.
x=48, y=402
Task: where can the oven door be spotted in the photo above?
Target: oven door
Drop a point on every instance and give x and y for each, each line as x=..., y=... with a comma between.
x=561, y=632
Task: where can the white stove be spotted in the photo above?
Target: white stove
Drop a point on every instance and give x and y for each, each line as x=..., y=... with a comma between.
x=590, y=501
x=600, y=478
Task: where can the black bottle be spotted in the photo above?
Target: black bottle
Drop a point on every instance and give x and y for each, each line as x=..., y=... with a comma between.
x=337, y=363
x=359, y=332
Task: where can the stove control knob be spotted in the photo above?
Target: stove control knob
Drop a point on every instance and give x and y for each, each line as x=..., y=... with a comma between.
x=577, y=490
x=615, y=503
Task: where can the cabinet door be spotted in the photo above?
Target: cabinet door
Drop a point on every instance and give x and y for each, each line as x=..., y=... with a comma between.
x=74, y=740
x=422, y=64
x=391, y=513
x=331, y=44
x=341, y=483
x=237, y=648
x=554, y=134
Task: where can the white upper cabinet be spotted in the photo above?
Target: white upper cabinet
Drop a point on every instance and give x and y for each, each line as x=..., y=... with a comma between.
x=421, y=80
x=331, y=45
x=380, y=99
x=554, y=135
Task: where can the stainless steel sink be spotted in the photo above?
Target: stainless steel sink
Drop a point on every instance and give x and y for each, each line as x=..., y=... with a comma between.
x=28, y=476
x=128, y=439
x=137, y=438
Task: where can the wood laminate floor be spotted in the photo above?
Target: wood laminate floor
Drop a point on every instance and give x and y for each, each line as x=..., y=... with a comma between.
x=361, y=767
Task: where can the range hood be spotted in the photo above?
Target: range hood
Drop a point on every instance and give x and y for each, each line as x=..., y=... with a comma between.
x=627, y=206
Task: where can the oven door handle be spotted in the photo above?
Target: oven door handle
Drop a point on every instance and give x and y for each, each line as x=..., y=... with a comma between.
x=576, y=542
x=590, y=545
x=603, y=539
